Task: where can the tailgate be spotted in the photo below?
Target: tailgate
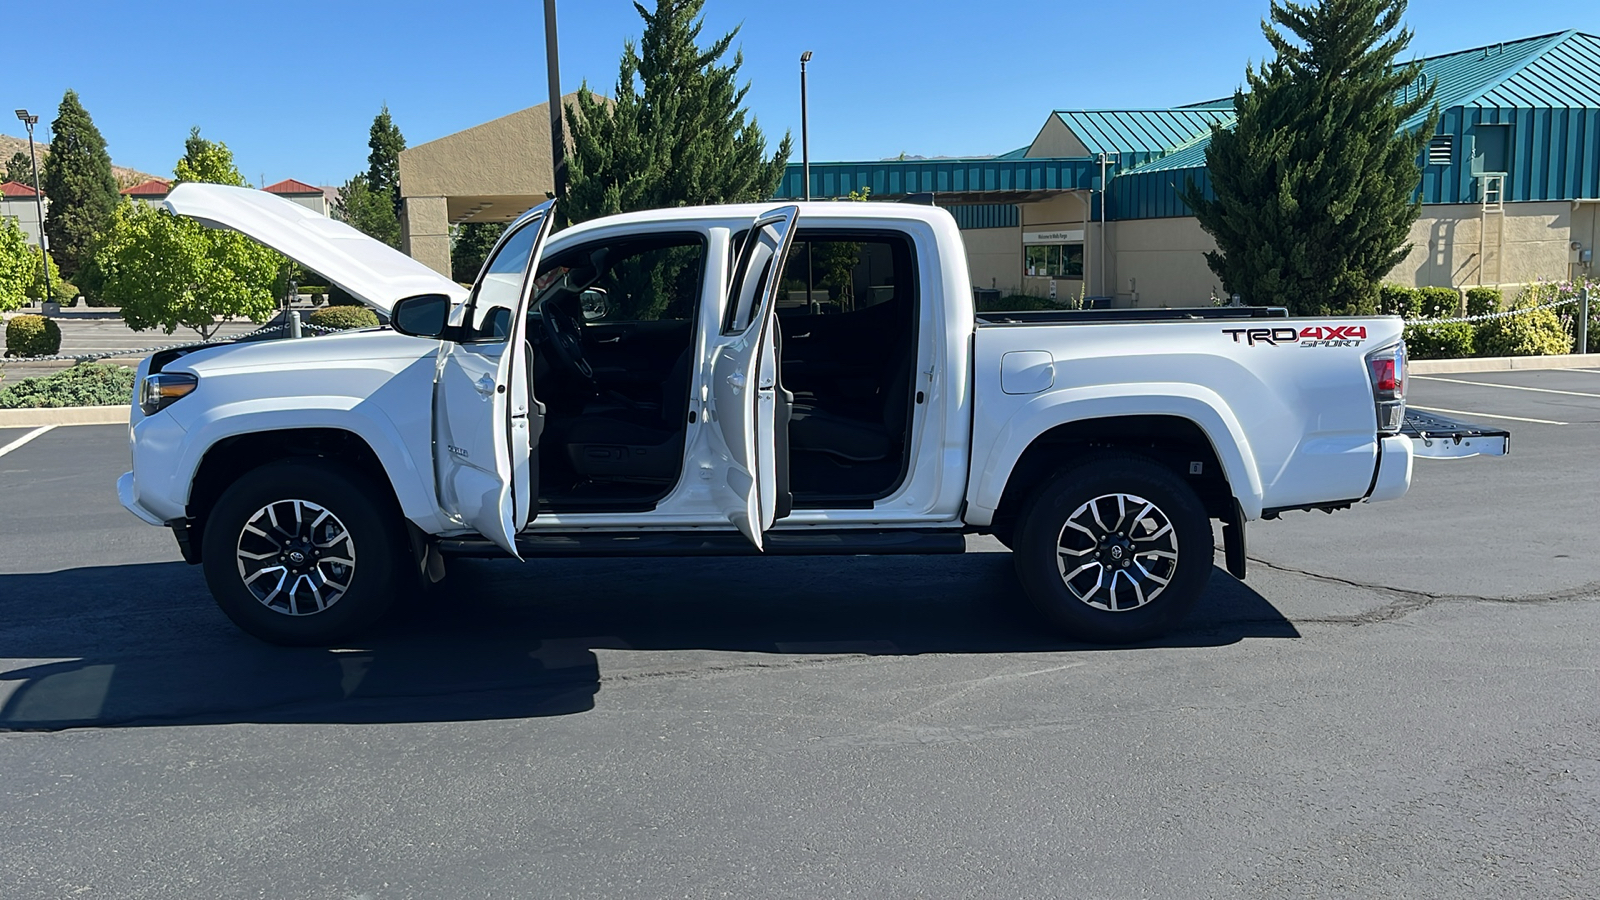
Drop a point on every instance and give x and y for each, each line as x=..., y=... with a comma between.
x=1438, y=437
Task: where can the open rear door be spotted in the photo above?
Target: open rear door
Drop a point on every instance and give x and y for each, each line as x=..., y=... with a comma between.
x=744, y=384
x=486, y=420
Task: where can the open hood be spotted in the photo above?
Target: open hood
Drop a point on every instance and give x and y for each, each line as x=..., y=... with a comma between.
x=372, y=271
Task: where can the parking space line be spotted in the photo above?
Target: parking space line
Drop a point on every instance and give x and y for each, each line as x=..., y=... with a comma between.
x=25, y=438
x=1482, y=415
x=1509, y=387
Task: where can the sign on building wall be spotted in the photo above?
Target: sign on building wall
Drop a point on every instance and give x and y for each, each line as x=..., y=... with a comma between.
x=1053, y=237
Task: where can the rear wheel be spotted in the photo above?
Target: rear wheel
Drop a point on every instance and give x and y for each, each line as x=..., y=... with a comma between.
x=303, y=553
x=1114, y=551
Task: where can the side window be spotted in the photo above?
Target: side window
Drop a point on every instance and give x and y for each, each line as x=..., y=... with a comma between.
x=828, y=274
x=498, y=289
x=652, y=284
x=647, y=278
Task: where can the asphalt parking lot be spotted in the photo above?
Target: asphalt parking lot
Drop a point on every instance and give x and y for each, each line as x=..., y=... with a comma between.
x=1401, y=700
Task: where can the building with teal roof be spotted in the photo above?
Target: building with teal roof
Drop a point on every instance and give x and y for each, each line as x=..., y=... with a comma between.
x=1510, y=185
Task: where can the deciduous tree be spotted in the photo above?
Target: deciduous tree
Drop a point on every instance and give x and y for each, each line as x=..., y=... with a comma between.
x=677, y=132
x=1315, y=185
x=16, y=266
x=367, y=211
x=77, y=178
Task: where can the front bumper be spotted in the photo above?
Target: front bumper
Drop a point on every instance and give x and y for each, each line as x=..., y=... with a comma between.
x=130, y=500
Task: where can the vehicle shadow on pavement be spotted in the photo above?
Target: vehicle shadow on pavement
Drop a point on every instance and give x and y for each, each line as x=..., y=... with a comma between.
x=145, y=645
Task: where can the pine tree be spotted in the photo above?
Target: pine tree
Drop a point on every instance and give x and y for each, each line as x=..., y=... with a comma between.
x=383, y=163
x=470, y=246
x=1315, y=185
x=677, y=133
x=77, y=178
x=367, y=211
x=208, y=161
x=19, y=169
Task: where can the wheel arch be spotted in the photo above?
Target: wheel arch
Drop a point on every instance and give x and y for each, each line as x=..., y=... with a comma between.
x=1175, y=438
x=230, y=457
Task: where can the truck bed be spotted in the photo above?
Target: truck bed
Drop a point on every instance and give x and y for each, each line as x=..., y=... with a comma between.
x=1107, y=316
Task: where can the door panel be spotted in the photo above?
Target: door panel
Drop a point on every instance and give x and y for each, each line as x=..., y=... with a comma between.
x=744, y=379
x=486, y=419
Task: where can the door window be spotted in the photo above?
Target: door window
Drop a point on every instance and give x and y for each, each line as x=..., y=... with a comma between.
x=500, y=286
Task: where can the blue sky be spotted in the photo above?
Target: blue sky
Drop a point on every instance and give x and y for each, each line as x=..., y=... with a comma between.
x=292, y=85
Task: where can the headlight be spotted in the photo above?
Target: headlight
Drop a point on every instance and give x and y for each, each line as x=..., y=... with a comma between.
x=159, y=391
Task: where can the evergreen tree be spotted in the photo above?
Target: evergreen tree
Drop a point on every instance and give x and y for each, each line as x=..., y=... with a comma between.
x=367, y=211
x=77, y=178
x=383, y=163
x=470, y=246
x=207, y=161
x=677, y=133
x=20, y=169
x=1315, y=185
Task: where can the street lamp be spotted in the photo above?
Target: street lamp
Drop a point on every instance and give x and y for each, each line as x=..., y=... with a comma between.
x=805, y=142
x=38, y=199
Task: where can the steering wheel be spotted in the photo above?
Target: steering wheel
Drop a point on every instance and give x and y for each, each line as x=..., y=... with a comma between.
x=566, y=341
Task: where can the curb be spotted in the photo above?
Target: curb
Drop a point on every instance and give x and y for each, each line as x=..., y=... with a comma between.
x=66, y=415
x=1502, y=364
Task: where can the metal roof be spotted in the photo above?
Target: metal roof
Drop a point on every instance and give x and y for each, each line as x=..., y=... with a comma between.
x=1142, y=131
x=988, y=180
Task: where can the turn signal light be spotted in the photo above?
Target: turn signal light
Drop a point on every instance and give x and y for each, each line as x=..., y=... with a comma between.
x=161, y=390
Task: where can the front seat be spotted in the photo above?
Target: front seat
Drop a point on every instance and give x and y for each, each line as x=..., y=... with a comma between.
x=627, y=444
x=855, y=440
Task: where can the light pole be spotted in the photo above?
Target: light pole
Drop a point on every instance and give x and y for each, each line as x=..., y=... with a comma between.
x=558, y=141
x=805, y=142
x=38, y=200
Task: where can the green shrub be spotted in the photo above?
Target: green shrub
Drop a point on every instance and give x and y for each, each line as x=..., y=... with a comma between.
x=1452, y=340
x=1483, y=300
x=344, y=317
x=32, y=336
x=85, y=384
x=1438, y=303
x=1398, y=300
x=1544, y=292
x=1536, y=333
x=1017, y=303
x=311, y=289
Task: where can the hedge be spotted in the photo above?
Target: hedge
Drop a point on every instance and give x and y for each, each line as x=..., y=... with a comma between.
x=344, y=317
x=32, y=336
x=1484, y=300
x=1451, y=340
x=85, y=384
x=1535, y=333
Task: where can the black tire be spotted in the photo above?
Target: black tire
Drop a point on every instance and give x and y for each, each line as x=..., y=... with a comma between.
x=373, y=539
x=1048, y=548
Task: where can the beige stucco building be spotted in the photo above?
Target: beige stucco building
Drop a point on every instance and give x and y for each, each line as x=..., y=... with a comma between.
x=492, y=172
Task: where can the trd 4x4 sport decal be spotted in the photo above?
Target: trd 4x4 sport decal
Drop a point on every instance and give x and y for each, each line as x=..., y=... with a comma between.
x=1314, y=336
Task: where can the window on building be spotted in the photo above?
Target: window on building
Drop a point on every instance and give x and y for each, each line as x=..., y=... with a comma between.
x=1440, y=150
x=1055, y=260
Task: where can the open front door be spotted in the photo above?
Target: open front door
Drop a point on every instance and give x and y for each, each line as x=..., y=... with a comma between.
x=744, y=378
x=486, y=421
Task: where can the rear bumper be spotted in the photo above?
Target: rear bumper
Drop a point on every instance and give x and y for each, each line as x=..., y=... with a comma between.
x=1393, y=478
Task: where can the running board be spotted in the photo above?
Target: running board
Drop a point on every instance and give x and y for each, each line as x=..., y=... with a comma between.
x=844, y=542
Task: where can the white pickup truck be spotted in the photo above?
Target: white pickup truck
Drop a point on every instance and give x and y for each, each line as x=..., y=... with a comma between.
x=806, y=379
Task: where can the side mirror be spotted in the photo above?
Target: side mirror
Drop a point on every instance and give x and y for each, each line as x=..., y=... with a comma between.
x=424, y=316
x=595, y=302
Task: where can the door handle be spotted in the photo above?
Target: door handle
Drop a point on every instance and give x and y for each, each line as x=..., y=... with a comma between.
x=610, y=340
x=737, y=380
x=484, y=384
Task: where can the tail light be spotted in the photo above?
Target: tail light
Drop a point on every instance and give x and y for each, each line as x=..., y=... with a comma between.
x=1387, y=369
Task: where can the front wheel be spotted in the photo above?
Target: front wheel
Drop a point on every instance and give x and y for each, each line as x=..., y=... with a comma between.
x=302, y=553
x=1114, y=551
